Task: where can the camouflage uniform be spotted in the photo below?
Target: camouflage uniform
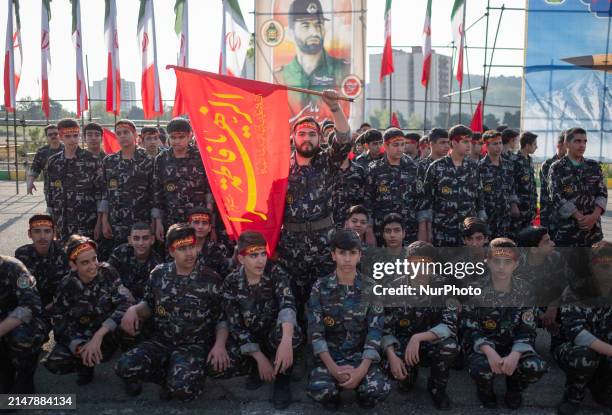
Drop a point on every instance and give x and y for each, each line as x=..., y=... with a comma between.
x=79, y=310
x=422, y=166
x=499, y=193
x=583, y=366
x=545, y=198
x=186, y=313
x=48, y=270
x=502, y=321
x=305, y=254
x=179, y=184
x=19, y=349
x=128, y=191
x=450, y=194
x=134, y=274
x=39, y=164
x=214, y=255
x=579, y=187
x=76, y=192
x=347, y=191
x=548, y=279
x=526, y=192
x=255, y=313
x=364, y=159
x=392, y=189
x=401, y=323
x=342, y=323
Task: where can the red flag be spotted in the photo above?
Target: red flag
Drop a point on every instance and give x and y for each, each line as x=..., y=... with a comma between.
x=386, y=66
x=242, y=129
x=476, y=124
x=394, y=121
x=426, y=46
x=109, y=141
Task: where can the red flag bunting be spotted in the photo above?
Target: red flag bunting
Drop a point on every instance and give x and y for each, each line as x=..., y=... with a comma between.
x=476, y=124
x=394, y=121
x=110, y=142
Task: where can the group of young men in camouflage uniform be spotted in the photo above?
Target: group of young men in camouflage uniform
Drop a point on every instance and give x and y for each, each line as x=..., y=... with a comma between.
x=182, y=302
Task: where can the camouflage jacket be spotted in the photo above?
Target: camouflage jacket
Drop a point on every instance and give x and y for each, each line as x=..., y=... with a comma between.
x=18, y=294
x=574, y=188
x=309, y=193
x=342, y=322
x=48, y=270
x=214, y=255
x=545, y=199
x=347, y=191
x=179, y=184
x=253, y=311
x=581, y=324
x=364, y=159
x=548, y=279
x=128, y=194
x=76, y=192
x=39, y=164
x=422, y=166
x=80, y=309
x=392, y=189
x=498, y=188
x=450, y=194
x=134, y=275
x=500, y=319
x=525, y=184
x=186, y=309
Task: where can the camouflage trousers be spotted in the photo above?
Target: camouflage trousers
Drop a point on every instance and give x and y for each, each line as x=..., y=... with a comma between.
x=179, y=368
x=61, y=360
x=268, y=342
x=572, y=236
x=530, y=368
x=322, y=386
x=438, y=355
x=306, y=257
x=584, y=367
x=20, y=349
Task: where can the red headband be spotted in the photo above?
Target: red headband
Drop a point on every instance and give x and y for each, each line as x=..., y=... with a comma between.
x=251, y=249
x=307, y=124
x=461, y=137
x=179, y=243
x=125, y=124
x=69, y=130
x=199, y=217
x=80, y=249
x=41, y=223
x=509, y=253
x=604, y=259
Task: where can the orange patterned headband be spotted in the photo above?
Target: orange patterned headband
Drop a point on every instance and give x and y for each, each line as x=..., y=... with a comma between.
x=179, y=243
x=251, y=249
x=417, y=258
x=307, y=124
x=80, y=249
x=69, y=131
x=202, y=217
x=508, y=253
x=604, y=259
x=43, y=223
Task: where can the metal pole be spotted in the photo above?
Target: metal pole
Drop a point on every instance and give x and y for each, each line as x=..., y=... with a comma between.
x=15, y=144
x=484, y=65
x=450, y=83
x=549, y=122
x=390, y=97
x=223, y=42
x=25, y=142
x=605, y=90
x=425, y=111
x=88, y=91
x=461, y=51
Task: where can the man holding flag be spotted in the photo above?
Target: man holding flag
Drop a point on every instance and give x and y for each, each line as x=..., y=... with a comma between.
x=304, y=245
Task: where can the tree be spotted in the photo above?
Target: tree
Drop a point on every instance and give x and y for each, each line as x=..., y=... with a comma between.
x=513, y=120
x=491, y=121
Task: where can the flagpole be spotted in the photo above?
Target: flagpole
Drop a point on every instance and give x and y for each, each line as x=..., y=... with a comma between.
x=88, y=92
x=390, y=98
x=223, y=42
x=462, y=51
x=425, y=111
x=450, y=84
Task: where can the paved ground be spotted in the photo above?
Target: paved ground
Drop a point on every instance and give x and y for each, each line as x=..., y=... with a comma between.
x=105, y=395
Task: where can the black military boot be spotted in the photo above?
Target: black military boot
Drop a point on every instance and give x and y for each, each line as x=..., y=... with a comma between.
x=253, y=381
x=438, y=395
x=332, y=404
x=486, y=395
x=366, y=402
x=407, y=384
x=85, y=375
x=132, y=388
x=514, y=389
x=568, y=406
x=281, y=396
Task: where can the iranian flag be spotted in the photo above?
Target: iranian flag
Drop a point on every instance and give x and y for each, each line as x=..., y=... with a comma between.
x=113, y=74
x=149, y=89
x=181, y=27
x=12, y=63
x=458, y=27
x=77, y=40
x=426, y=46
x=235, y=40
x=45, y=54
x=386, y=66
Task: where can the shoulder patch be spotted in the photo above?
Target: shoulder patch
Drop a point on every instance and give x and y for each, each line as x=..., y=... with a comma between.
x=527, y=317
x=26, y=281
